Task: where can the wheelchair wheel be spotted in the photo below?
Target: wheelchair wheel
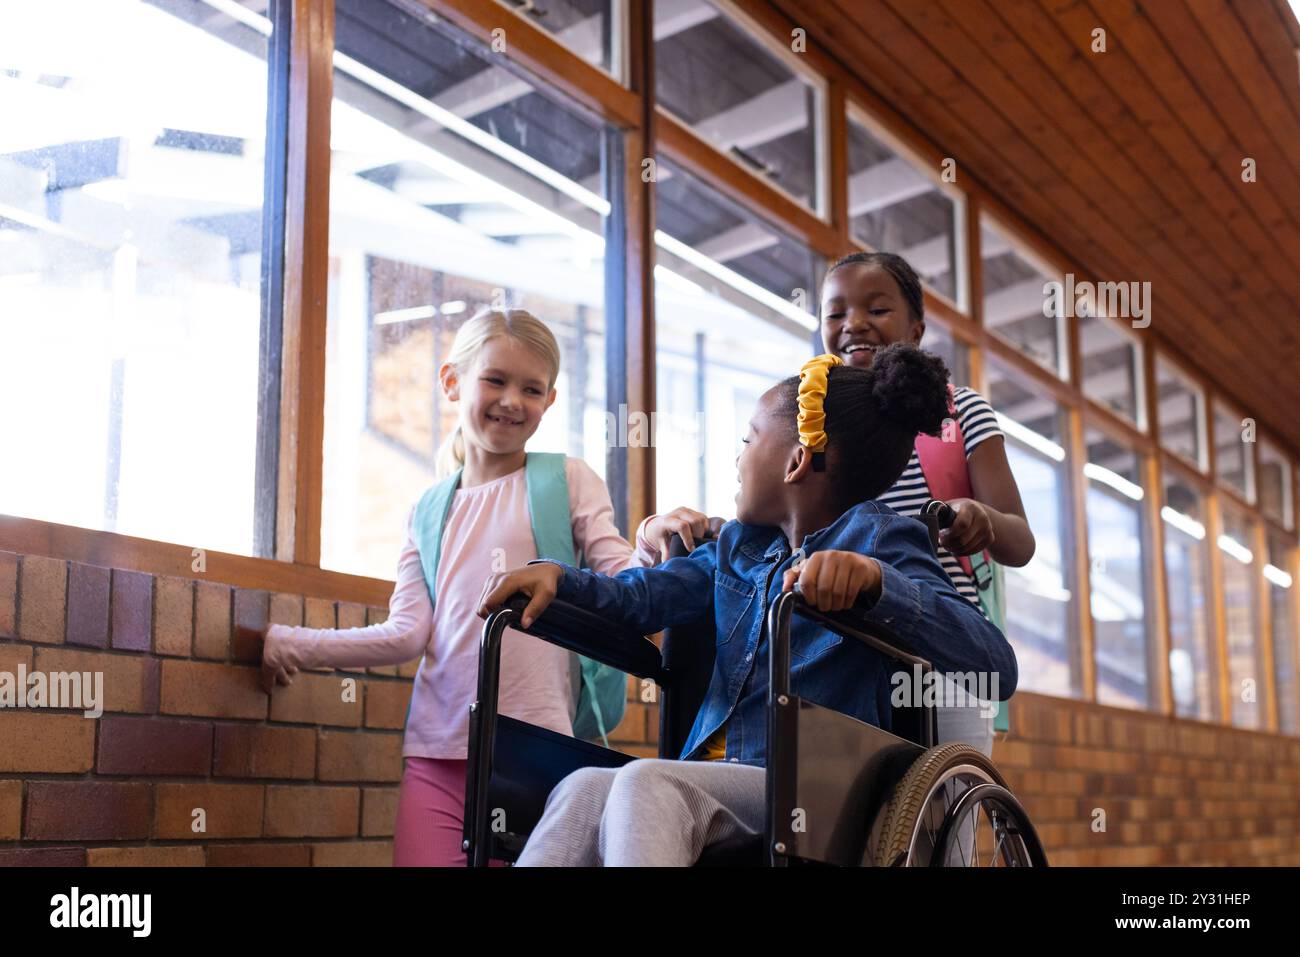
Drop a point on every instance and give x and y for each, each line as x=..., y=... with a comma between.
x=952, y=809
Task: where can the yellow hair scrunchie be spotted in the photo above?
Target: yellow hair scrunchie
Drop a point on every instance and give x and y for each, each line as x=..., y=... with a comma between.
x=812, y=400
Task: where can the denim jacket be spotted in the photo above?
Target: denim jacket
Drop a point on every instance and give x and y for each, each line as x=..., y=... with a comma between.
x=734, y=579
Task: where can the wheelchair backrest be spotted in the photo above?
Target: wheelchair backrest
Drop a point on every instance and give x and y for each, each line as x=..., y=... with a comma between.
x=688, y=652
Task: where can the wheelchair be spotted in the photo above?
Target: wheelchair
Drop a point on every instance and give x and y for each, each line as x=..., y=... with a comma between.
x=839, y=791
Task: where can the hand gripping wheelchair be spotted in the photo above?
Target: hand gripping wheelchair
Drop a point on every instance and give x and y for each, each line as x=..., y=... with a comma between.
x=839, y=791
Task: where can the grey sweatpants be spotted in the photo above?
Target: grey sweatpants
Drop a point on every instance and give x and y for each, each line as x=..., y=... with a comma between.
x=648, y=813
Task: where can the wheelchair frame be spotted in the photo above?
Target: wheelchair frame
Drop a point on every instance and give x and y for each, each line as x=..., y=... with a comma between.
x=828, y=774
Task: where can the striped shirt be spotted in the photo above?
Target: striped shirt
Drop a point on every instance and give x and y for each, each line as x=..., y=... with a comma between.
x=907, y=495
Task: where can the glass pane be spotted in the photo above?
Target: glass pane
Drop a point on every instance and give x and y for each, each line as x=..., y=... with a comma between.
x=954, y=352
x=1110, y=367
x=431, y=219
x=131, y=290
x=894, y=207
x=1191, y=654
x=1016, y=305
x=731, y=90
x=1040, y=617
x=1117, y=583
x=1181, y=412
x=1234, y=463
x=1274, y=484
x=726, y=329
x=1285, y=659
x=1245, y=677
x=584, y=26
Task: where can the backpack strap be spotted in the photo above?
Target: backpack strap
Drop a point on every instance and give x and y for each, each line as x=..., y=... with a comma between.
x=548, y=506
x=430, y=518
x=943, y=463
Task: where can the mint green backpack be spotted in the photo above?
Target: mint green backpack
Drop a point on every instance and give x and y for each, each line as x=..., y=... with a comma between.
x=602, y=694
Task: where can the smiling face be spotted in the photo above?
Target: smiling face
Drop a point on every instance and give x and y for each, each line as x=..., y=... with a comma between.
x=770, y=445
x=863, y=310
x=502, y=395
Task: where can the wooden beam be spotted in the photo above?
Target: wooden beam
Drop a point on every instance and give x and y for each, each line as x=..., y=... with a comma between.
x=306, y=278
x=1267, y=687
x=28, y=536
x=1077, y=487
x=543, y=55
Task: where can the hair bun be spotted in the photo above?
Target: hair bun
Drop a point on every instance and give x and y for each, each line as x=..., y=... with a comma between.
x=910, y=387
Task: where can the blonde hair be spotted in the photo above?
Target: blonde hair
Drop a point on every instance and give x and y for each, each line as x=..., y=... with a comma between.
x=489, y=324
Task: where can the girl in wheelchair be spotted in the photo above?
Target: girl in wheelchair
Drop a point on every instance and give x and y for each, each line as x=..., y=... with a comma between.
x=821, y=447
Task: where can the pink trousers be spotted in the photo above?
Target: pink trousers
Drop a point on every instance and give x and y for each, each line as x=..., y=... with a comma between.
x=431, y=814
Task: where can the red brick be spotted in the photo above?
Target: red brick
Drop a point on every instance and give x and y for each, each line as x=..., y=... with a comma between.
x=378, y=811
x=211, y=620
x=88, y=589
x=12, y=655
x=231, y=810
x=46, y=743
x=252, y=751
x=318, y=699
x=173, y=617
x=354, y=756
x=130, y=681
x=212, y=690
x=286, y=610
x=259, y=855
x=8, y=595
x=143, y=746
x=11, y=810
x=319, y=613
x=43, y=857
x=353, y=854
x=132, y=610
x=633, y=726
x=145, y=857
x=87, y=811
x=252, y=608
x=387, y=703
x=409, y=669
x=42, y=599
x=312, y=811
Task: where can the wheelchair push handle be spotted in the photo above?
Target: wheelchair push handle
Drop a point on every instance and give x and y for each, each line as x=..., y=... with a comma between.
x=936, y=516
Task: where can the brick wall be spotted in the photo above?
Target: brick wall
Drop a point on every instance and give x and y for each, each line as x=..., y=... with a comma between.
x=305, y=777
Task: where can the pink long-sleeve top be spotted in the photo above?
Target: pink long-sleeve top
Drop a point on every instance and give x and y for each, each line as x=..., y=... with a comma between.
x=488, y=530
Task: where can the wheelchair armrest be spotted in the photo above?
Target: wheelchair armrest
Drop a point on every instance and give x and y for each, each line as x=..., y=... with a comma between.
x=851, y=624
x=591, y=636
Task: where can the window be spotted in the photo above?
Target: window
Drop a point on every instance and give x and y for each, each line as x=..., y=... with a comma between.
x=132, y=283
x=954, y=352
x=1191, y=649
x=1112, y=368
x=1180, y=411
x=1017, y=306
x=895, y=207
x=590, y=28
x=731, y=90
x=442, y=203
x=1245, y=677
x=1039, y=609
x=1234, y=463
x=1117, y=578
x=726, y=330
x=1274, y=484
x=1277, y=574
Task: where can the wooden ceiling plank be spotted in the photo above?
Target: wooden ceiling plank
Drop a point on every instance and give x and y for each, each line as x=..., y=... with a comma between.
x=1102, y=93
x=885, y=44
x=1004, y=47
x=1136, y=31
x=892, y=40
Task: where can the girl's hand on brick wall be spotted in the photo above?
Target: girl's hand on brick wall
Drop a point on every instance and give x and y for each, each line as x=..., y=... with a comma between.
x=275, y=669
